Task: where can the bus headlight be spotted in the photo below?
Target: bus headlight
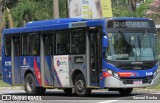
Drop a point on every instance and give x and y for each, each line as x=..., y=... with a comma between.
x=114, y=74
x=110, y=72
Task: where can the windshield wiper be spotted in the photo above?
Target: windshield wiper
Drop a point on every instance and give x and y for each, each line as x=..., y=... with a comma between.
x=121, y=33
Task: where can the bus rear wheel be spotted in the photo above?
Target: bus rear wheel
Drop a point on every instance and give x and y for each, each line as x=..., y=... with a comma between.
x=80, y=86
x=125, y=91
x=30, y=86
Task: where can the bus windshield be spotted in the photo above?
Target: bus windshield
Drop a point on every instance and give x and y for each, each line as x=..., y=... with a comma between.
x=131, y=46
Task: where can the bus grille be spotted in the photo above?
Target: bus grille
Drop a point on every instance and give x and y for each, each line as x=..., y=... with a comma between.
x=144, y=80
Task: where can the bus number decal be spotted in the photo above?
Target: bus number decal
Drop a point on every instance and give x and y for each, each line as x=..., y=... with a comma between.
x=149, y=73
x=7, y=63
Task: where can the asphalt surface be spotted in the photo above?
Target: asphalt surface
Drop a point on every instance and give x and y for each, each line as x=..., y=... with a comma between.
x=58, y=96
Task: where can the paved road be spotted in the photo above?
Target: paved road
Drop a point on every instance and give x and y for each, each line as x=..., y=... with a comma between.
x=58, y=96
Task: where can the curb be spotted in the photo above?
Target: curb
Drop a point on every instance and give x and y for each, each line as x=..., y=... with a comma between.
x=12, y=88
x=145, y=90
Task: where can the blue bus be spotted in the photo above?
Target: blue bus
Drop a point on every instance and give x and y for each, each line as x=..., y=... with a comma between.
x=79, y=55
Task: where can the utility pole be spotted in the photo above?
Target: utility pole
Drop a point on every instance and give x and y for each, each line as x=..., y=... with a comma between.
x=2, y=21
x=55, y=9
x=1, y=11
x=1, y=27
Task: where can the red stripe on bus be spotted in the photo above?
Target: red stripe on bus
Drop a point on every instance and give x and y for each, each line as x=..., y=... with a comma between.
x=37, y=72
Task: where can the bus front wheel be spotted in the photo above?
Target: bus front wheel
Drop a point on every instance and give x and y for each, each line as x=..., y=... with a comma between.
x=30, y=86
x=125, y=91
x=80, y=86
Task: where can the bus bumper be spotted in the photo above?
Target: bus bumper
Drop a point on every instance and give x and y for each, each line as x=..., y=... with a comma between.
x=111, y=82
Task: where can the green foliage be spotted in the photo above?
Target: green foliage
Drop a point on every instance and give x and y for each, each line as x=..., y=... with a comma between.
x=63, y=8
x=9, y=3
x=23, y=12
x=123, y=10
x=31, y=10
x=141, y=11
x=2, y=84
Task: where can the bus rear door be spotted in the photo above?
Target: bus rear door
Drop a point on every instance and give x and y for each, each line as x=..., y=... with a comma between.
x=48, y=77
x=15, y=60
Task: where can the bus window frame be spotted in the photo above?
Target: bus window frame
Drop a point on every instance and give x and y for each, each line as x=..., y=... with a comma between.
x=71, y=39
x=5, y=36
x=28, y=36
x=63, y=30
x=50, y=32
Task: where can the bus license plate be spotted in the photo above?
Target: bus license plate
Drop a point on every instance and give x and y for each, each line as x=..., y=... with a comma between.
x=137, y=82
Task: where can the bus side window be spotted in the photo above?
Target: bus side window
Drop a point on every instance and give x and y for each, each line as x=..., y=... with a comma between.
x=62, y=42
x=77, y=41
x=7, y=45
x=34, y=44
x=25, y=41
x=48, y=41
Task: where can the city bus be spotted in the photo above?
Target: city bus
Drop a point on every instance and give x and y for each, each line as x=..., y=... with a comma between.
x=78, y=55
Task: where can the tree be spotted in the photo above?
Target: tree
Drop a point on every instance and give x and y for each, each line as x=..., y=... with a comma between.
x=1, y=15
x=132, y=5
x=154, y=11
x=31, y=10
x=63, y=10
x=130, y=8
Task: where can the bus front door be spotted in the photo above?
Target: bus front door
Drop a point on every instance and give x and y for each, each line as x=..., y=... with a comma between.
x=94, y=55
x=48, y=61
x=15, y=60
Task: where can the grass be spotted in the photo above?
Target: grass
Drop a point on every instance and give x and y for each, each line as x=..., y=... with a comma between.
x=2, y=84
x=155, y=87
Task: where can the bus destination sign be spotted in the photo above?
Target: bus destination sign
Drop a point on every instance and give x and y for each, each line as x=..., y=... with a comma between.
x=129, y=24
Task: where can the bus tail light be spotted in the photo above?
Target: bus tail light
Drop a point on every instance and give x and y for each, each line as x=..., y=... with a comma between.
x=105, y=74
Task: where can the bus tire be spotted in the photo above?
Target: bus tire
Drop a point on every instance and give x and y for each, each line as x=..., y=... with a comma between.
x=80, y=86
x=68, y=90
x=41, y=90
x=30, y=86
x=125, y=91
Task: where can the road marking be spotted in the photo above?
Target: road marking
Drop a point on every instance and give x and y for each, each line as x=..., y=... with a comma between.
x=109, y=101
x=154, y=93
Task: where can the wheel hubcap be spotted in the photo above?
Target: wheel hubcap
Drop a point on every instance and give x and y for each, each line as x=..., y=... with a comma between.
x=29, y=84
x=80, y=86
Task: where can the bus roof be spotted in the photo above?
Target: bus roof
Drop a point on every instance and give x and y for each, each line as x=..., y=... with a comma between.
x=62, y=23
x=54, y=21
x=57, y=24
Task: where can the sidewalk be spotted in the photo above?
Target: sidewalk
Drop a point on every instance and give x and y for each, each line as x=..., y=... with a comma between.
x=146, y=90
x=12, y=88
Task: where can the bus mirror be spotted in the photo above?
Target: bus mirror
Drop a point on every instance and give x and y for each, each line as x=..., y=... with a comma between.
x=105, y=41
